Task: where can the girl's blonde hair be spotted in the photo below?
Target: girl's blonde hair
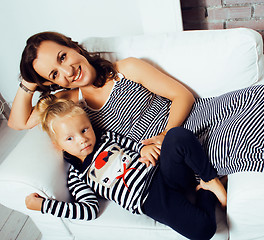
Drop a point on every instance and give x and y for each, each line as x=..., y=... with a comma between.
x=50, y=107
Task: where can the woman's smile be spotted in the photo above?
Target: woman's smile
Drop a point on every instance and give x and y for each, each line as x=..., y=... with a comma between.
x=79, y=75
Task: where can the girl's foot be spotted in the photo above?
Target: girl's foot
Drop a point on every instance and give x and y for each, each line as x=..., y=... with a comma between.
x=216, y=187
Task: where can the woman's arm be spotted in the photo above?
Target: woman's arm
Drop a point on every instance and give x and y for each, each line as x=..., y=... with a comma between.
x=23, y=115
x=159, y=83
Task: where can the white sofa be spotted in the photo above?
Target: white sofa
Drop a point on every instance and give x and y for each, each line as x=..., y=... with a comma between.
x=210, y=63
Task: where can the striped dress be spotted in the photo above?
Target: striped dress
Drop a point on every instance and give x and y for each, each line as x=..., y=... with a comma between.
x=230, y=127
x=131, y=110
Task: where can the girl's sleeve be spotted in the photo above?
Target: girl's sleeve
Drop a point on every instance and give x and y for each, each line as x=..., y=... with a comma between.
x=84, y=207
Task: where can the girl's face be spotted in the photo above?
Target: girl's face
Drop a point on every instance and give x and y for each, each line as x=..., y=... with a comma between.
x=75, y=135
x=63, y=66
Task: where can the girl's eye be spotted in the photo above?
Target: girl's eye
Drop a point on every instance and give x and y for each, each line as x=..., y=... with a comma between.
x=69, y=138
x=54, y=75
x=63, y=56
x=84, y=130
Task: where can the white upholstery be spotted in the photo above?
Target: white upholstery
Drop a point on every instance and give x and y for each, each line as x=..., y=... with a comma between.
x=210, y=63
x=245, y=206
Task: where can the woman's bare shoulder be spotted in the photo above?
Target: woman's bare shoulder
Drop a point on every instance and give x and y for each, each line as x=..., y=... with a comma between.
x=126, y=62
x=69, y=94
x=130, y=67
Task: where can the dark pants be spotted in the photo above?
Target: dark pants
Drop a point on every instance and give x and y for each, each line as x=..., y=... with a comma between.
x=181, y=158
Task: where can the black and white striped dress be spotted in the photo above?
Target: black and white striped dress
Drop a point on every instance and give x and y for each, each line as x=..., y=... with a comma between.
x=131, y=110
x=230, y=127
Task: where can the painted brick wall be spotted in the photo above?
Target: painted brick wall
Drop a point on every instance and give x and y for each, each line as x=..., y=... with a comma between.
x=223, y=14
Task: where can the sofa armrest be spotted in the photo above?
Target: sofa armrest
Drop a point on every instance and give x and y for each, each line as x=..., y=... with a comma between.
x=245, y=209
x=34, y=165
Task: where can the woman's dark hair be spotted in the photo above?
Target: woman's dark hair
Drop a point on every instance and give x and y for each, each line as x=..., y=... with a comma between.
x=104, y=69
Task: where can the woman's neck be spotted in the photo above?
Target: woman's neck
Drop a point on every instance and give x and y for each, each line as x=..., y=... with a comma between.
x=96, y=97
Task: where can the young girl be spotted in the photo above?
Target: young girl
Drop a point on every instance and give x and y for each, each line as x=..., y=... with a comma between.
x=109, y=165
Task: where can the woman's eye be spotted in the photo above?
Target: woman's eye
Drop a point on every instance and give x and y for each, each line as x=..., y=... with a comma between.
x=63, y=56
x=84, y=130
x=54, y=75
x=69, y=138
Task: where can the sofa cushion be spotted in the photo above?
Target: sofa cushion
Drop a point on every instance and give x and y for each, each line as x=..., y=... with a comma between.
x=33, y=165
x=208, y=62
x=117, y=223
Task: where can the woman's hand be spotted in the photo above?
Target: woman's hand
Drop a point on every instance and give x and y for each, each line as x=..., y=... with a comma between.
x=151, y=151
x=149, y=154
x=29, y=85
x=157, y=140
x=34, y=201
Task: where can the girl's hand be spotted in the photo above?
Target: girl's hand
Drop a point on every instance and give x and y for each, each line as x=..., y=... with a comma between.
x=149, y=154
x=34, y=201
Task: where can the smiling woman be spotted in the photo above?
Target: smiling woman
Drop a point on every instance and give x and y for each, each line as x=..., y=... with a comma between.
x=51, y=57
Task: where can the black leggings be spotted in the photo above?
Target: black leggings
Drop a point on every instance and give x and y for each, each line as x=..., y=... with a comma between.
x=181, y=158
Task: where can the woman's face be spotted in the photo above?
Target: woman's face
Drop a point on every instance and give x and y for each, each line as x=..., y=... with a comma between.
x=63, y=66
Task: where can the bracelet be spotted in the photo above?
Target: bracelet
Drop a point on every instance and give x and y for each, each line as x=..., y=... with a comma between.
x=25, y=88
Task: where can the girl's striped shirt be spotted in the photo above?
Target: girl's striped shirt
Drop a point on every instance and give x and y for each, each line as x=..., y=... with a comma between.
x=129, y=188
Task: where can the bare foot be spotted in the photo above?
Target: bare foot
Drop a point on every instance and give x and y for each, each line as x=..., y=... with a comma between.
x=217, y=188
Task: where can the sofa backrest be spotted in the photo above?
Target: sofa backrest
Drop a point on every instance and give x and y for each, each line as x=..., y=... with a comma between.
x=209, y=62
